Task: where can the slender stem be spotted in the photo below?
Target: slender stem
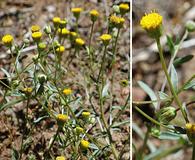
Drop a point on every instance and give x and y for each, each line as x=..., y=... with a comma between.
x=193, y=152
x=114, y=49
x=55, y=136
x=151, y=119
x=102, y=63
x=169, y=80
x=144, y=143
x=91, y=33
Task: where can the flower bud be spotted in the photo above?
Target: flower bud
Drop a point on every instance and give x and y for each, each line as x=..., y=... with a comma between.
x=165, y=115
x=42, y=78
x=190, y=26
x=42, y=46
x=79, y=130
x=47, y=29
x=190, y=129
x=86, y=115
x=92, y=120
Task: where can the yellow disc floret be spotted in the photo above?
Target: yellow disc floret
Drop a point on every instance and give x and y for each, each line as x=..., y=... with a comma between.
x=67, y=91
x=151, y=21
x=105, y=38
x=76, y=10
x=35, y=28
x=84, y=144
x=60, y=49
x=63, y=32
x=94, y=15
x=61, y=119
x=79, y=42
x=60, y=158
x=117, y=21
x=56, y=21
x=36, y=36
x=86, y=114
x=124, y=8
x=7, y=39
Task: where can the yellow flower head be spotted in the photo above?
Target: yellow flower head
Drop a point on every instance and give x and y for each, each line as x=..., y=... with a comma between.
x=67, y=91
x=84, y=144
x=63, y=32
x=105, y=38
x=36, y=36
x=117, y=21
x=123, y=8
x=79, y=42
x=189, y=126
x=60, y=158
x=56, y=21
x=7, y=39
x=86, y=114
x=62, y=23
x=76, y=11
x=60, y=49
x=94, y=15
x=73, y=36
x=35, y=28
x=27, y=90
x=61, y=119
x=151, y=21
x=79, y=130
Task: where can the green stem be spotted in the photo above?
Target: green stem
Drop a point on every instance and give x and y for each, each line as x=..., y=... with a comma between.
x=91, y=33
x=144, y=143
x=151, y=119
x=169, y=80
x=193, y=153
x=102, y=63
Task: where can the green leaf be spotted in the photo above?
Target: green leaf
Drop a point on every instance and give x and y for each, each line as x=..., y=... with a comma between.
x=163, y=96
x=121, y=123
x=181, y=60
x=11, y=103
x=174, y=78
x=15, y=154
x=105, y=90
x=170, y=44
x=189, y=85
x=150, y=92
x=169, y=136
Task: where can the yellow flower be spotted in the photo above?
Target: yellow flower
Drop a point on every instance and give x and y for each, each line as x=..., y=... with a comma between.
x=117, y=21
x=62, y=23
x=67, y=91
x=151, y=21
x=84, y=144
x=35, y=28
x=27, y=90
x=60, y=158
x=76, y=11
x=94, y=15
x=105, y=38
x=123, y=8
x=86, y=114
x=73, y=36
x=63, y=32
x=79, y=130
x=56, y=21
x=61, y=119
x=7, y=39
x=79, y=42
x=36, y=36
x=60, y=49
